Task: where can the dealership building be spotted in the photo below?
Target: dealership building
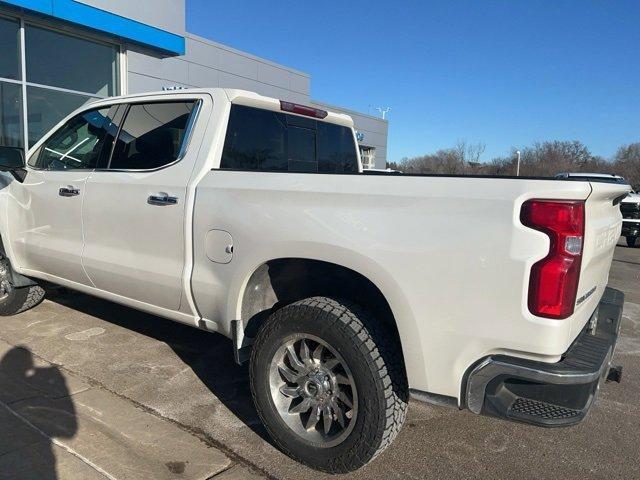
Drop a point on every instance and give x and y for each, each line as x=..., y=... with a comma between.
x=59, y=54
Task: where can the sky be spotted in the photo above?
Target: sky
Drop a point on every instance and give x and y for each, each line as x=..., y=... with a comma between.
x=505, y=73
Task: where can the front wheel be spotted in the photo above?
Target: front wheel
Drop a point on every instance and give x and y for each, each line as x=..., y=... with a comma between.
x=328, y=383
x=631, y=241
x=19, y=300
x=16, y=300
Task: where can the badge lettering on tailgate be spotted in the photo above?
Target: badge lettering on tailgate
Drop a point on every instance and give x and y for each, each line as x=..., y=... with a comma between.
x=586, y=295
x=607, y=237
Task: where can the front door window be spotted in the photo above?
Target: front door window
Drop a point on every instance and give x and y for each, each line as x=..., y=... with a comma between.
x=79, y=144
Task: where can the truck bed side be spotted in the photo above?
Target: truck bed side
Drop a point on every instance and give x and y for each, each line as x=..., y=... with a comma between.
x=449, y=254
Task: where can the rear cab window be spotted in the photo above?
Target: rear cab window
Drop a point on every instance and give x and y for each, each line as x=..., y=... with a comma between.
x=270, y=141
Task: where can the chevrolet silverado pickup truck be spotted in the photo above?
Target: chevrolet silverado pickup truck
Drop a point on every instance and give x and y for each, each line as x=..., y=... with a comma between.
x=347, y=292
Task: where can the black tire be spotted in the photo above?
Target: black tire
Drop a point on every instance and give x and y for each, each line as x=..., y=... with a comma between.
x=19, y=300
x=631, y=241
x=373, y=356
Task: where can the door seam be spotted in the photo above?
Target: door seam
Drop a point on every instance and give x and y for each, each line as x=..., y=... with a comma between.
x=84, y=194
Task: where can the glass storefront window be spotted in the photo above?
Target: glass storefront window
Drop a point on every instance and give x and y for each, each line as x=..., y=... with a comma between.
x=69, y=62
x=10, y=42
x=63, y=72
x=11, y=115
x=47, y=107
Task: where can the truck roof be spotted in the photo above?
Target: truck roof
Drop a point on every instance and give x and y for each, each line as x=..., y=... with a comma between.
x=244, y=97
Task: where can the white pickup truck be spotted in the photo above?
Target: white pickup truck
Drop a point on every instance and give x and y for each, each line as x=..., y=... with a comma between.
x=630, y=208
x=348, y=292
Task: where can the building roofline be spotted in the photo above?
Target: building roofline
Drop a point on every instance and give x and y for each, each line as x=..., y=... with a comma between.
x=222, y=46
x=88, y=16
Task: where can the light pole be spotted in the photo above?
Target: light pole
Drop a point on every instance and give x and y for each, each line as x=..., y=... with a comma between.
x=383, y=111
x=518, y=167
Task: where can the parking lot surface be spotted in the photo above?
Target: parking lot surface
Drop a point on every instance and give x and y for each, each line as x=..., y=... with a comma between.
x=90, y=389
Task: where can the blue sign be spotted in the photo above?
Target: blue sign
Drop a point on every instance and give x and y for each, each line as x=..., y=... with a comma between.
x=92, y=17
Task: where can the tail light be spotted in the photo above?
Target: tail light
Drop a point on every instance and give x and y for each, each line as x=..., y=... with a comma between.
x=302, y=110
x=553, y=284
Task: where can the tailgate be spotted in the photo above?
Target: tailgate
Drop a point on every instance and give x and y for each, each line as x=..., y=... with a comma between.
x=603, y=223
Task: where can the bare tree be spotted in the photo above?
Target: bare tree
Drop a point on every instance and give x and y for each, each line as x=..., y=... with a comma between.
x=543, y=159
x=469, y=153
x=627, y=162
x=460, y=159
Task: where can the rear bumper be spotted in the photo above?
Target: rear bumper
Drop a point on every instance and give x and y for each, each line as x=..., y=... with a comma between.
x=549, y=394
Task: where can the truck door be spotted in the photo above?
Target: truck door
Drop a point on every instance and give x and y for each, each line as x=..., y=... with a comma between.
x=134, y=209
x=45, y=210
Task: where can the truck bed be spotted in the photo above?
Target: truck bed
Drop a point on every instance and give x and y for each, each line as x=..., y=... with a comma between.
x=443, y=249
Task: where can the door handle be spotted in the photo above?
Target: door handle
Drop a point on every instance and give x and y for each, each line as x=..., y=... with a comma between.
x=69, y=191
x=161, y=199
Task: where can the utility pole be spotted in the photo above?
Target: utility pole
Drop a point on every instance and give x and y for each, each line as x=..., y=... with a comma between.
x=518, y=167
x=383, y=111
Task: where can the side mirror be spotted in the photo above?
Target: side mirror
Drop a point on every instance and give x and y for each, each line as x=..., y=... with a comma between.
x=12, y=160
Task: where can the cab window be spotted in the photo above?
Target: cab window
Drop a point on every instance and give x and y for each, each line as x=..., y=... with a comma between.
x=77, y=145
x=268, y=141
x=152, y=135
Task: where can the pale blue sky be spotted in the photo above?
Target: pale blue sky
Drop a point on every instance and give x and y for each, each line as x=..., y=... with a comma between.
x=502, y=72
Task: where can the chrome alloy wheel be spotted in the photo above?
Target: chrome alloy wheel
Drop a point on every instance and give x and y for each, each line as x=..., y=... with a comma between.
x=313, y=390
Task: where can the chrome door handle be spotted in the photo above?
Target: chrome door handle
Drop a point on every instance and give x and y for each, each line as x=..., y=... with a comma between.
x=162, y=199
x=69, y=191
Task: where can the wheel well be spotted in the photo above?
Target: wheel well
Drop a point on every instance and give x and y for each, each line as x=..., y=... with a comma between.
x=16, y=279
x=283, y=281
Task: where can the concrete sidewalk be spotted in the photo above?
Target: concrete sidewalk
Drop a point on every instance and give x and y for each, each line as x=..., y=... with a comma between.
x=56, y=425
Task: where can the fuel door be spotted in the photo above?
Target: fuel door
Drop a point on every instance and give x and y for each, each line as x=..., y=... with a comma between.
x=219, y=246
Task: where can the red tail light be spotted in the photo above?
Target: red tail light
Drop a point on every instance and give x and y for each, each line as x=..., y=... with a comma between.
x=553, y=284
x=302, y=110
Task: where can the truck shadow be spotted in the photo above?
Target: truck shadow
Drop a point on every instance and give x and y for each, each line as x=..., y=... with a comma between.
x=209, y=355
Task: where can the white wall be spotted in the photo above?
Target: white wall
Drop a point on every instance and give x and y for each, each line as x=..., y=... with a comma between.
x=210, y=64
x=168, y=15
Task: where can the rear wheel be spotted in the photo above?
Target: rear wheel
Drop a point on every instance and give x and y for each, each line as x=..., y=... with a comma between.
x=328, y=383
x=631, y=241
